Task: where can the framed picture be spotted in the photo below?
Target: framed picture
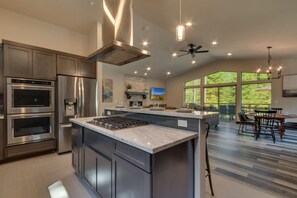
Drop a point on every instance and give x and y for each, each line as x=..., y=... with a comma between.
x=290, y=85
x=107, y=90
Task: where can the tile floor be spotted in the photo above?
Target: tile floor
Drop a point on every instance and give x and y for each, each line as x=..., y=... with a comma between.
x=30, y=178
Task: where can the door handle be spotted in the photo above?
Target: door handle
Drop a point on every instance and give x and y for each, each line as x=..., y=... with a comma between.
x=65, y=125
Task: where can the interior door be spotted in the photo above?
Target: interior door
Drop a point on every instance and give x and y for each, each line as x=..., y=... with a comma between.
x=89, y=97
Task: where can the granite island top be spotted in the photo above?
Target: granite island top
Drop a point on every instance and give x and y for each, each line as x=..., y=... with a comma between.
x=150, y=138
x=167, y=112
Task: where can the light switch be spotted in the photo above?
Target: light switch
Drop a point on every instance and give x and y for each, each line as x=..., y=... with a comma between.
x=182, y=123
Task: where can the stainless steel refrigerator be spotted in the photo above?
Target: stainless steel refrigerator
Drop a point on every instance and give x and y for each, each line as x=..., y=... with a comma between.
x=77, y=97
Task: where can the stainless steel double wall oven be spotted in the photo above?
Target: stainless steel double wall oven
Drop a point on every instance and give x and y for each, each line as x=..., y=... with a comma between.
x=30, y=109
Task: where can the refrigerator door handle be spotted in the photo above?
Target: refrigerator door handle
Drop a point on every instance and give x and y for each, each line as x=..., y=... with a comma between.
x=79, y=98
x=82, y=97
x=96, y=99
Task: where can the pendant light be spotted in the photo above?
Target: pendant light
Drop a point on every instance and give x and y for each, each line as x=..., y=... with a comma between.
x=180, y=29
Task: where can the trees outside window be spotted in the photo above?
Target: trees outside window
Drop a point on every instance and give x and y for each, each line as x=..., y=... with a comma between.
x=221, y=78
x=192, y=92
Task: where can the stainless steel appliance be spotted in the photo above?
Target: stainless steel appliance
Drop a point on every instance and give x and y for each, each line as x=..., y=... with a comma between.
x=115, y=123
x=29, y=96
x=23, y=128
x=77, y=97
x=117, y=35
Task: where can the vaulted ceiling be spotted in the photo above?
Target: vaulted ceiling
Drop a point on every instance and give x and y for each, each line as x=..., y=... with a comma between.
x=244, y=28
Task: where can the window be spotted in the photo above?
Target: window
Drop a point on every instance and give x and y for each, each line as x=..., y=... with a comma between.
x=220, y=78
x=192, y=92
x=249, y=76
x=256, y=96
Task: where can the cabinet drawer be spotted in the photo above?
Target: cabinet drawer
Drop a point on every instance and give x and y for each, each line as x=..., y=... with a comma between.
x=99, y=143
x=135, y=156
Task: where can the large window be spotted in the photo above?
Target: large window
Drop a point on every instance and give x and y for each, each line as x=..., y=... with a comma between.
x=220, y=78
x=256, y=96
x=192, y=92
x=250, y=76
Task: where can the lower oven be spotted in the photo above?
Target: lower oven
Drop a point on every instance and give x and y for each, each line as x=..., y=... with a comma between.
x=24, y=128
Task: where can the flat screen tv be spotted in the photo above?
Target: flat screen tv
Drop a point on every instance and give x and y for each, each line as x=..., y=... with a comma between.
x=157, y=93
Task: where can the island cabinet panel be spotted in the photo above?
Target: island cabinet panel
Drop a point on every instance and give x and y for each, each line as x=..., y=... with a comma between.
x=89, y=167
x=77, y=148
x=67, y=65
x=104, y=176
x=17, y=61
x=129, y=180
x=87, y=68
x=44, y=65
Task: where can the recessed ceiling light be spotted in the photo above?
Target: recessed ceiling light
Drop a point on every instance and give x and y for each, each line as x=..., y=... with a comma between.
x=145, y=74
x=193, y=61
x=214, y=43
x=148, y=69
x=168, y=73
x=145, y=43
x=92, y=3
x=135, y=72
x=189, y=24
x=174, y=54
x=229, y=54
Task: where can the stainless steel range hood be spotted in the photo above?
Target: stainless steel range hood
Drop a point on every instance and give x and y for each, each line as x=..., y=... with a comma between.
x=117, y=35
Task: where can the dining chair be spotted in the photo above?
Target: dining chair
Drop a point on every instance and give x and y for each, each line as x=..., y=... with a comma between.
x=244, y=122
x=277, y=122
x=277, y=109
x=265, y=122
x=207, y=160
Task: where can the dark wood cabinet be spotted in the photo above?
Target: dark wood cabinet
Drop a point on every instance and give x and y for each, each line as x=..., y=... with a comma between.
x=17, y=61
x=89, y=167
x=44, y=65
x=130, y=179
x=27, y=63
x=73, y=66
x=87, y=68
x=77, y=148
x=67, y=65
x=104, y=176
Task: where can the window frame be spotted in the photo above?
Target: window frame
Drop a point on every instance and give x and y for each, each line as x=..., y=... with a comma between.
x=192, y=87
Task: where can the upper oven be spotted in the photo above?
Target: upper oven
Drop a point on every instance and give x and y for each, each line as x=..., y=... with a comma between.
x=29, y=96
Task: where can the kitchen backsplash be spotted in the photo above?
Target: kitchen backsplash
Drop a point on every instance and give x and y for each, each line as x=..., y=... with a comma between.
x=138, y=83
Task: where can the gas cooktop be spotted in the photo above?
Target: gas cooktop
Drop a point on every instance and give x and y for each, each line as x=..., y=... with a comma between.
x=115, y=123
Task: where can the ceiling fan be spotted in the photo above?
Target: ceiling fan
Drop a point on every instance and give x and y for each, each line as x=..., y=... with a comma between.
x=193, y=49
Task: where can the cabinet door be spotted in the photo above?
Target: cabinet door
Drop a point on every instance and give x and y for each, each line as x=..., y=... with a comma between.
x=129, y=180
x=89, y=167
x=87, y=68
x=44, y=65
x=17, y=61
x=67, y=65
x=104, y=176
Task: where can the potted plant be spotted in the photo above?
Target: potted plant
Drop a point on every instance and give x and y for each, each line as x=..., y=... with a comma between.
x=129, y=86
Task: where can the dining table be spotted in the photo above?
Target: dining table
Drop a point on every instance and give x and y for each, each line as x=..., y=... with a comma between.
x=279, y=117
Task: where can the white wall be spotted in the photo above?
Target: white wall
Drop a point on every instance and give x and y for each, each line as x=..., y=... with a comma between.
x=175, y=85
x=24, y=29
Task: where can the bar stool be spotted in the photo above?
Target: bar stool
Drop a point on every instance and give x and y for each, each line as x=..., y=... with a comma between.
x=207, y=160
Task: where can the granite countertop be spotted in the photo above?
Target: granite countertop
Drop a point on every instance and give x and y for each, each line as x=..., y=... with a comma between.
x=167, y=112
x=150, y=138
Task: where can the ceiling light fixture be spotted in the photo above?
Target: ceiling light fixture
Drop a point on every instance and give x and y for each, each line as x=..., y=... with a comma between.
x=270, y=68
x=214, y=43
x=189, y=24
x=174, y=54
x=193, y=61
x=148, y=69
x=145, y=74
x=229, y=54
x=91, y=3
x=168, y=73
x=135, y=72
x=180, y=29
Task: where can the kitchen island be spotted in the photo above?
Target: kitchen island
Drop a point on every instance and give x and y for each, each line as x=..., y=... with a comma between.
x=163, y=159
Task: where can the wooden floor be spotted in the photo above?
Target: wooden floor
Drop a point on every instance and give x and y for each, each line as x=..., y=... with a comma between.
x=261, y=164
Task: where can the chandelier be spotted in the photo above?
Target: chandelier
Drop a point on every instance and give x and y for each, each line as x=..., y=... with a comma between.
x=270, y=69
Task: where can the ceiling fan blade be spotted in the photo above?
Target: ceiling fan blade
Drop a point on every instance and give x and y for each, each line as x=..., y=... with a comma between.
x=184, y=50
x=203, y=51
x=182, y=55
x=198, y=48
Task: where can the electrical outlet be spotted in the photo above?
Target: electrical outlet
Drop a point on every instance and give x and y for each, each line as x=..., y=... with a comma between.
x=182, y=123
